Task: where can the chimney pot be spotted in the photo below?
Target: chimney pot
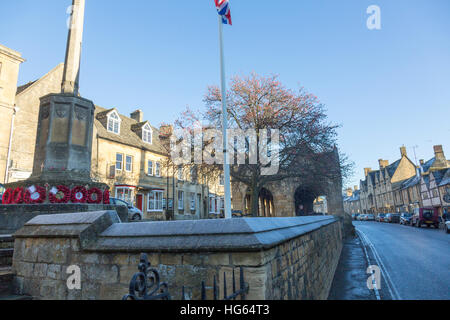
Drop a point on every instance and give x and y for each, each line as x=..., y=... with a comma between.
x=422, y=162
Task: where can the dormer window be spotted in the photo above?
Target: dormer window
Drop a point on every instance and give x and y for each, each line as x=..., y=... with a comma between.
x=114, y=123
x=147, y=134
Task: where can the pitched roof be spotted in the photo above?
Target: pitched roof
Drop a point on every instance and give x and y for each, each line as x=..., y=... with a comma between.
x=393, y=167
x=139, y=125
x=439, y=175
x=410, y=182
x=354, y=197
x=24, y=87
x=445, y=179
x=398, y=185
x=127, y=136
x=20, y=89
x=427, y=165
x=374, y=174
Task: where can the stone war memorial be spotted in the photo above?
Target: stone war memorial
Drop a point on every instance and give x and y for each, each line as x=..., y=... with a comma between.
x=62, y=224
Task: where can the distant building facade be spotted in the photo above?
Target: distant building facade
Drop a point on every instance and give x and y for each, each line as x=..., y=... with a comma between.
x=352, y=201
x=403, y=187
x=432, y=182
x=320, y=205
x=377, y=189
x=10, y=61
x=127, y=153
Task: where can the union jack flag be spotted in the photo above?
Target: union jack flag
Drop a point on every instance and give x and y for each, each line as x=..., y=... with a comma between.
x=223, y=8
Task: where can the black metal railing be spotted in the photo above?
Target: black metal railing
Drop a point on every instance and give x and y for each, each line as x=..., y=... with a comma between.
x=146, y=285
x=241, y=293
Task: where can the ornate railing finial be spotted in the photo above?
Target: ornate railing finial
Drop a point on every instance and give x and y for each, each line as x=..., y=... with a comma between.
x=146, y=285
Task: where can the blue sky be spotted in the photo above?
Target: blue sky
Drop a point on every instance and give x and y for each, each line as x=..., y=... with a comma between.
x=386, y=87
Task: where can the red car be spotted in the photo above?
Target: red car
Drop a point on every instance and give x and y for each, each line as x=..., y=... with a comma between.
x=425, y=216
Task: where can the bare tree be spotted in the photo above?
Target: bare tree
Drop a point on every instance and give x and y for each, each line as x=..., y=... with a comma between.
x=307, y=140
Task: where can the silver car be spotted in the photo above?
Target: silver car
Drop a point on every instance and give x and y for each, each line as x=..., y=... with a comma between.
x=134, y=214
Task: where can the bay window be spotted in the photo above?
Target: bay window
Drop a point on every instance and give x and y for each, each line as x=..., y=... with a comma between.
x=125, y=194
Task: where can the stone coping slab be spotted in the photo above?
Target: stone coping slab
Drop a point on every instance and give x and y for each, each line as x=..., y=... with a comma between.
x=14, y=217
x=83, y=225
x=238, y=234
x=102, y=231
x=66, y=218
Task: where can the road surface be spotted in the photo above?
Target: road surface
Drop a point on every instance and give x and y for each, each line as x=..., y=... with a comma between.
x=415, y=263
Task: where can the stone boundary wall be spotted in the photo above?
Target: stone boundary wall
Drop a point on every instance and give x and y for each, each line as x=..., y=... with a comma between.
x=13, y=217
x=282, y=258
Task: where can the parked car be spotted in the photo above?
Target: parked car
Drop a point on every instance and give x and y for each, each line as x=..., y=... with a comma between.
x=362, y=217
x=370, y=217
x=134, y=214
x=447, y=226
x=405, y=219
x=425, y=216
x=392, y=218
x=355, y=216
x=380, y=217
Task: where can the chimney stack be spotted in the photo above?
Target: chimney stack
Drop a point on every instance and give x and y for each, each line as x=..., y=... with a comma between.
x=165, y=131
x=422, y=162
x=356, y=188
x=366, y=171
x=403, y=151
x=383, y=163
x=439, y=152
x=137, y=115
x=440, y=161
x=349, y=192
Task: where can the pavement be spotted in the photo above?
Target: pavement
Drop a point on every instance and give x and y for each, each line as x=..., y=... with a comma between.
x=350, y=279
x=414, y=263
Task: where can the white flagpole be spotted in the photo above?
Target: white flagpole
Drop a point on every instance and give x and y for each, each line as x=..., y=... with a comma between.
x=226, y=165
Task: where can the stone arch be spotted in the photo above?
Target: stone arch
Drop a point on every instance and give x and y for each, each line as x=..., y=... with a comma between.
x=304, y=200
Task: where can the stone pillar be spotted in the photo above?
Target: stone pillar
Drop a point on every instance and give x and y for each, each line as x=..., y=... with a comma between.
x=64, y=138
x=71, y=73
x=65, y=124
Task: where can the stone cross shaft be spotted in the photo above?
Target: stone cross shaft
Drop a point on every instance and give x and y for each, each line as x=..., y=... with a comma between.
x=71, y=74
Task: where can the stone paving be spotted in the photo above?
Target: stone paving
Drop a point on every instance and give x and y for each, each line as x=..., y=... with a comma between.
x=349, y=282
